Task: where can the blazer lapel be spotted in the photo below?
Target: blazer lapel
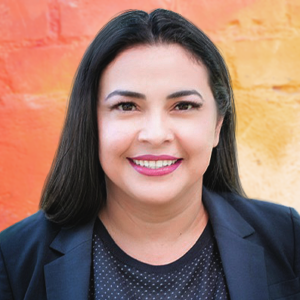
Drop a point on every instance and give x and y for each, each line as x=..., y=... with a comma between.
x=68, y=277
x=243, y=260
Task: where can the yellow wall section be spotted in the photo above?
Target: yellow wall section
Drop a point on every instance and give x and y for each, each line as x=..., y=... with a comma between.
x=42, y=41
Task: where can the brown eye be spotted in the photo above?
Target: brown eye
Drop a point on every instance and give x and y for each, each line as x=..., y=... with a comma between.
x=183, y=106
x=187, y=106
x=126, y=106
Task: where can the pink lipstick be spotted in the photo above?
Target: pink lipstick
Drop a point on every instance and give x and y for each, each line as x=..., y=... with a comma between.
x=155, y=165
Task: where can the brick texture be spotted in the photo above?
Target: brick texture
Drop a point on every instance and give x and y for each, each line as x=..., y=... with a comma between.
x=267, y=62
x=21, y=20
x=43, y=69
x=86, y=17
x=293, y=12
x=30, y=129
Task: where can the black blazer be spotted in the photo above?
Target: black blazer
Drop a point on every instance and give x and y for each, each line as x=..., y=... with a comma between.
x=259, y=244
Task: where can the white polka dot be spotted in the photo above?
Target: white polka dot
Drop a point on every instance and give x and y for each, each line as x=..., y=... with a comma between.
x=201, y=275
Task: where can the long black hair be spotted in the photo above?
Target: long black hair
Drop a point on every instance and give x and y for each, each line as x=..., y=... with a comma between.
x=74, y=191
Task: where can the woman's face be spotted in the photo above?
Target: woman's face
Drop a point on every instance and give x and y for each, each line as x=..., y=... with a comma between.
x=158, y=124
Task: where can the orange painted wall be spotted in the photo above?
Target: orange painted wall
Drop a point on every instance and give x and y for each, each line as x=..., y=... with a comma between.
x=42, y=41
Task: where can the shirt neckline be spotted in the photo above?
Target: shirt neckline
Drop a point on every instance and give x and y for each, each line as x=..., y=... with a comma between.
x=204, y=239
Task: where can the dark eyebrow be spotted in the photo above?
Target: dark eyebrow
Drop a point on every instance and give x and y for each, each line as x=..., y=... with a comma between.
x=126, y=94
x=142, y=96
x=184, y=93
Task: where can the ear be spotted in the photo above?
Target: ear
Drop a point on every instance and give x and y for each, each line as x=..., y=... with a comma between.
x=218, y=130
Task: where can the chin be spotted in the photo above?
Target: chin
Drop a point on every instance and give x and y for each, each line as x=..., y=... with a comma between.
x=158, y=197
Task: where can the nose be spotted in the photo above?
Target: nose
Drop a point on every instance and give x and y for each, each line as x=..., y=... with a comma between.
x=155, y=130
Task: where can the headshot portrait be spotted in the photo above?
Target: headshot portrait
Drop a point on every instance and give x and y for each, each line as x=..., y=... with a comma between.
x=169, y=168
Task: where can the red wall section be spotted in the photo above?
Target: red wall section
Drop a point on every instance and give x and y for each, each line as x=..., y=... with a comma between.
x=42, y=42
x=23, y=20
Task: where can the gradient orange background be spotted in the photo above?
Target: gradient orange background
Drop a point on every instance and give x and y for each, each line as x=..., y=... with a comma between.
x=42, y=42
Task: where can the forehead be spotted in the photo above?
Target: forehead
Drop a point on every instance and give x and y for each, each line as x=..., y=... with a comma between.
x=156, y=66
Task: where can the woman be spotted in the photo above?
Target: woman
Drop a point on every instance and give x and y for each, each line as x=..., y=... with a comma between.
x=144, y=200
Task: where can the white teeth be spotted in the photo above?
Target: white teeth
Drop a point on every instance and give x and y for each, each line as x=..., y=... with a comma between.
x=151, y=164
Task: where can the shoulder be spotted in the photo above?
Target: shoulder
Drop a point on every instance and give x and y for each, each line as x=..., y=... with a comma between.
x=272, y=223
x=277, y=226
x=27, y=239
x=24, y=250
x=263, y=212
x=255, y=212
x=29, y=230
x=264, y=215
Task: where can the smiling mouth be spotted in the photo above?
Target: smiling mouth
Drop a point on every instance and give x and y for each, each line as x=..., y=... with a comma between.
x=154, y=164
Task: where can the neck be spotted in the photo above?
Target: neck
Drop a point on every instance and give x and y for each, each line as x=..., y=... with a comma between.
x=155, y=233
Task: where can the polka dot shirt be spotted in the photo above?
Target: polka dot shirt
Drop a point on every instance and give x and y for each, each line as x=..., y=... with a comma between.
x=198, y=274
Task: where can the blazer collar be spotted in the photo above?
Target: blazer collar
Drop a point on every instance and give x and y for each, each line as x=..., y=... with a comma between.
x=243, y=260
x=68, y=277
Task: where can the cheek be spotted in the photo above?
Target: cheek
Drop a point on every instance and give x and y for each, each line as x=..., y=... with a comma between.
x=196, y=136
x=114, y=139
x=197, y=142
